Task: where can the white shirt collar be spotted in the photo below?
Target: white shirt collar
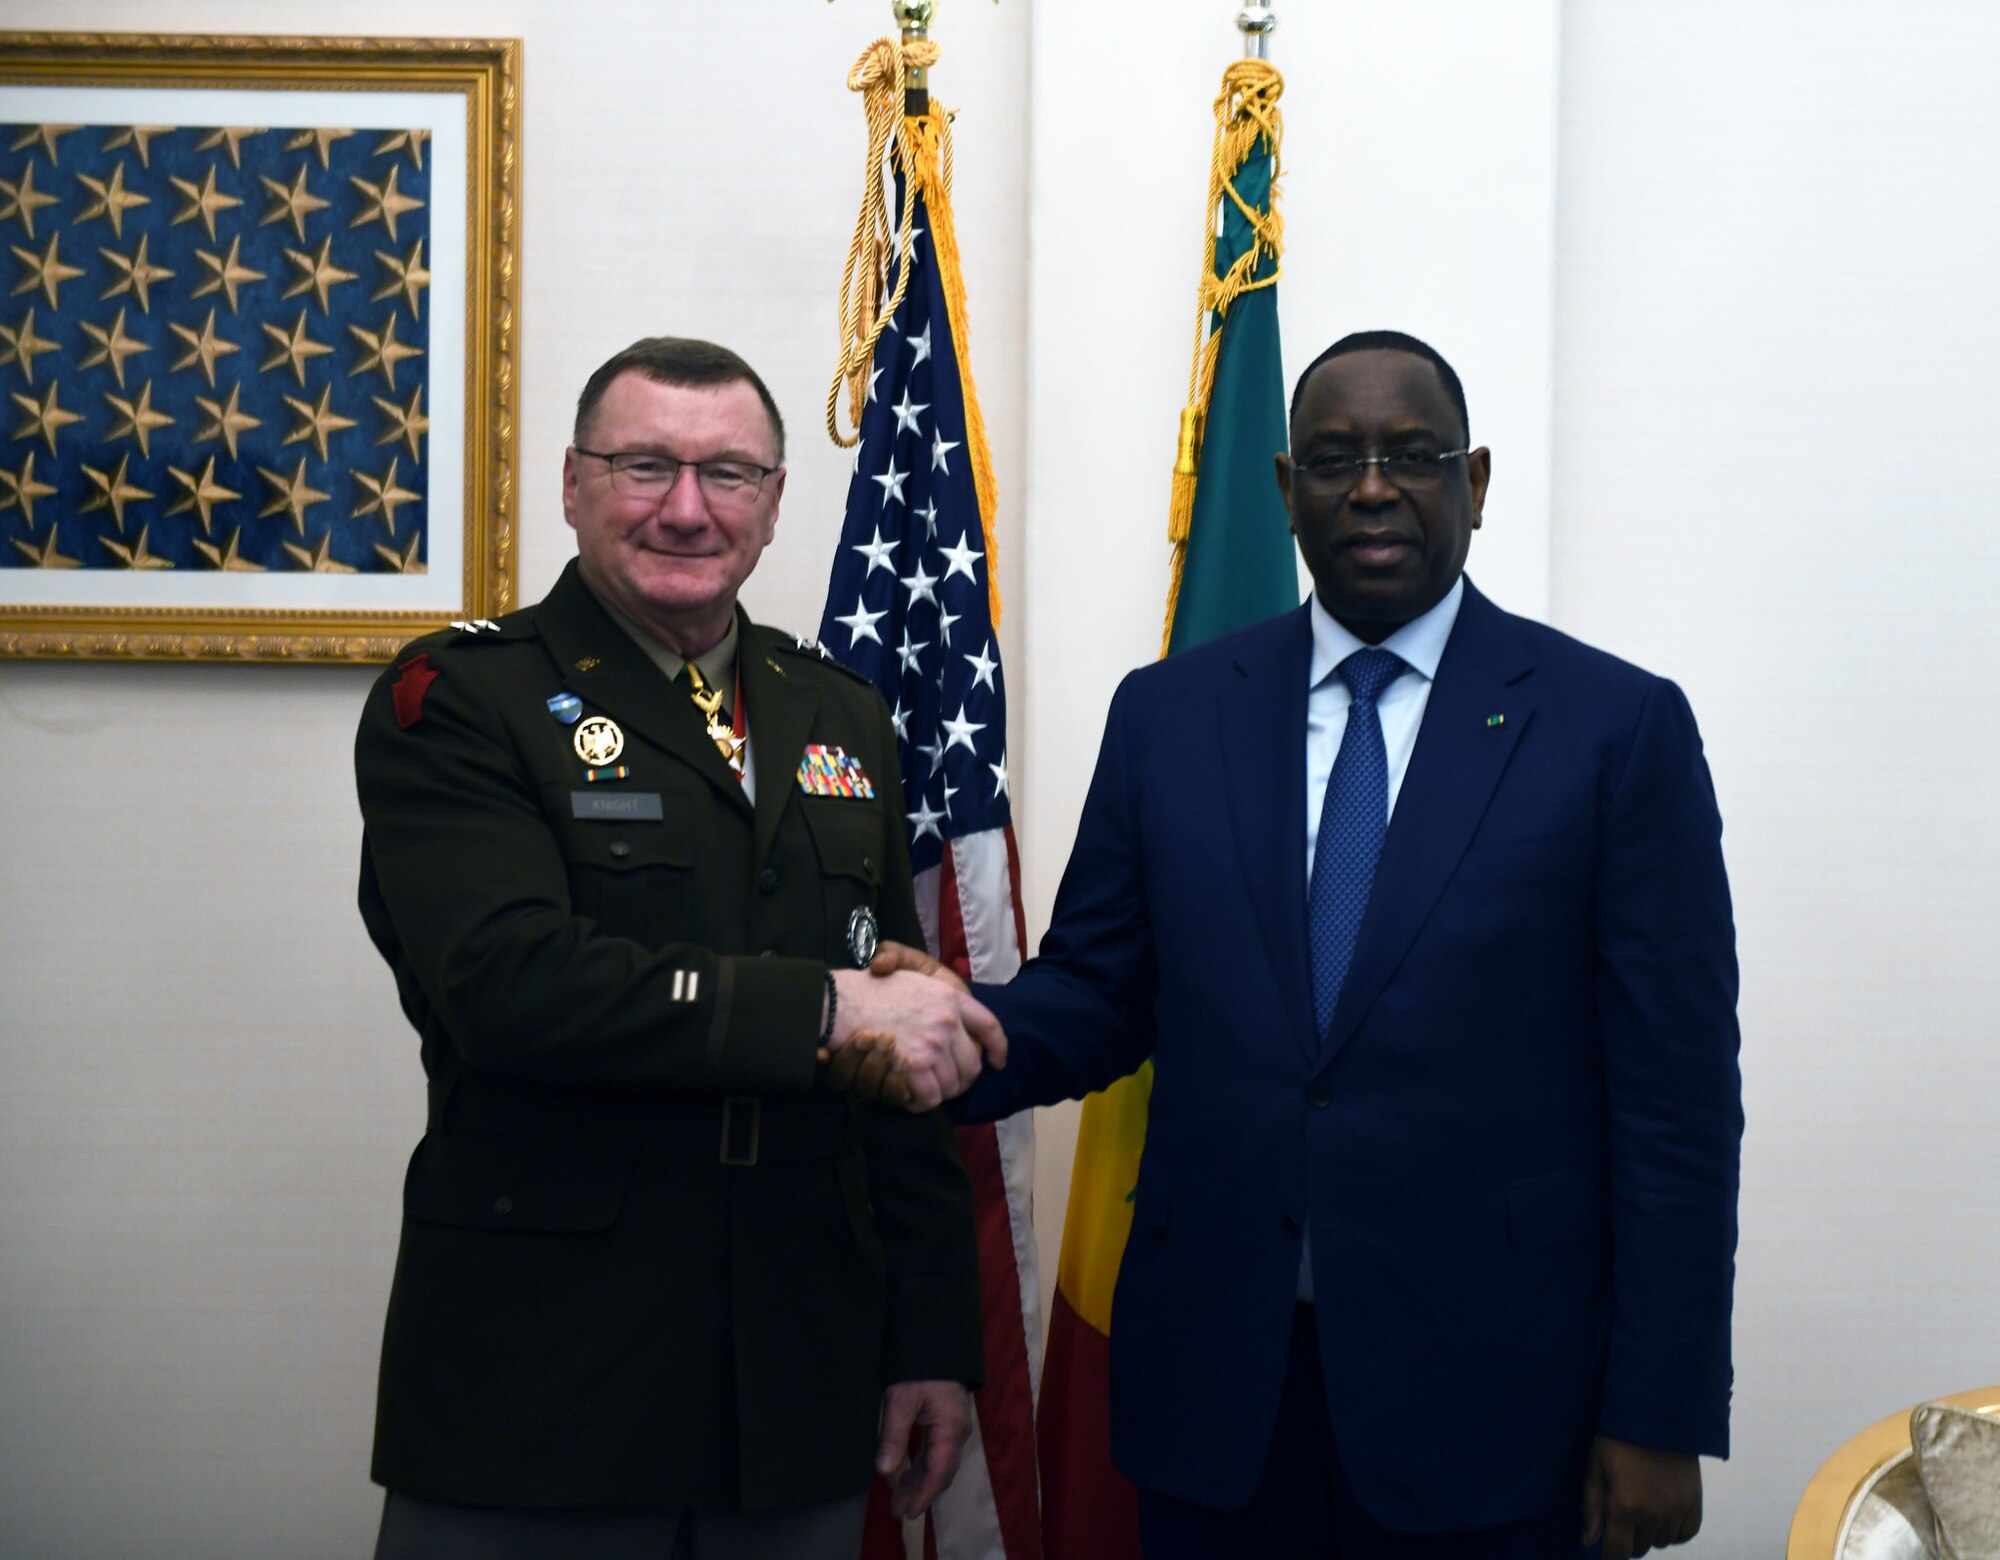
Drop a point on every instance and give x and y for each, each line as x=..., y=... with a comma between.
x=1419, y=642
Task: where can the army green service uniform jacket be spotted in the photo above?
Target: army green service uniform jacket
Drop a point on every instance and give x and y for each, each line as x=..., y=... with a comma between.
x=648, y=1257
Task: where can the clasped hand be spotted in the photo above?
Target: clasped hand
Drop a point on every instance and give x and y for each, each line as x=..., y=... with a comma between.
x=908, y=1032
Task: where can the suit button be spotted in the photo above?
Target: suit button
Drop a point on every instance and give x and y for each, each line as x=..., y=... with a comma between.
x=1319, y=1096
x=620, y=849
x=1291, y=1226
x=767, y=882
x=503, y=1205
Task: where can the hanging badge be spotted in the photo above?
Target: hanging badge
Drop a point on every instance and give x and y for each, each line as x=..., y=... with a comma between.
x=863, y=937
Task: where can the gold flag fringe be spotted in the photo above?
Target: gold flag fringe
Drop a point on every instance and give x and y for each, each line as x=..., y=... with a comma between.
x=1246, y=111
x=921, y=152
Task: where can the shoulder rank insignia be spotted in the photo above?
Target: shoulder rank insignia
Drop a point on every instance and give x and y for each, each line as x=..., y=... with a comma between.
x=413, y=680
x=475, y=625
x=813, y=645
x=829, y=771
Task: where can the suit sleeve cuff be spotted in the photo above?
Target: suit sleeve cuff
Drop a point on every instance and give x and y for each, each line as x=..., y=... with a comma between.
x=765, y=1033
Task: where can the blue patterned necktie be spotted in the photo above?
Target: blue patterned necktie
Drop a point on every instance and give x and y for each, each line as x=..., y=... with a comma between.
x=1352, y=821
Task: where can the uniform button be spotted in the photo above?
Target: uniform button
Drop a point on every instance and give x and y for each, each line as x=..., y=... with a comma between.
x=503, y=1205
x=1291, y=1226
x=620, y=849
x=767, y=881
x=1319, y=1096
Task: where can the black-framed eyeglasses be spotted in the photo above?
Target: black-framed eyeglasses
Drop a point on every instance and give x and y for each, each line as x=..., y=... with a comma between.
x=1405, y=468
x=643, y=474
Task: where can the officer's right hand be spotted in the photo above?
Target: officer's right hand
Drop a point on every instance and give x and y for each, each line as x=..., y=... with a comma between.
x=939, y=1035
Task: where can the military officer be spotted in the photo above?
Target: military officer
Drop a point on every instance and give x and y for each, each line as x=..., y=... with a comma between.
x=667, y=1275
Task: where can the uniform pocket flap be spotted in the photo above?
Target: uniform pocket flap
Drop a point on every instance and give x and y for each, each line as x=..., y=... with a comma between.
x=848, y=836
x=1545, y=1210
x=501, y=1184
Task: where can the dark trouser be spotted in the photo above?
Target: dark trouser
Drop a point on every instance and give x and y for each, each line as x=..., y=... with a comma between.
x=1304, y=1510
x=415, y=1529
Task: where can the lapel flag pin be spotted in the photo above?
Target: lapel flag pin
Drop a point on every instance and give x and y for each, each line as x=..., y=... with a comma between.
x=566, y=707
x=1496, y=720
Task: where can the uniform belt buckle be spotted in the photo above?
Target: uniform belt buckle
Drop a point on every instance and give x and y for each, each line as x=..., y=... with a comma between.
x=742, y=1124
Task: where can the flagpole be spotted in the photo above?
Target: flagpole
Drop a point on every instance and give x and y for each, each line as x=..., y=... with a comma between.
x=914, y=18
x=1256, y=21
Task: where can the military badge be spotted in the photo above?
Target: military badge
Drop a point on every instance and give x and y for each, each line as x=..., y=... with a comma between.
x=566, y=707
x=598, y=741
x=863, y=937
x=830, y=771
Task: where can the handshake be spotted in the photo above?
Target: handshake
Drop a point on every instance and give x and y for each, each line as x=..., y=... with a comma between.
x=906, y=1031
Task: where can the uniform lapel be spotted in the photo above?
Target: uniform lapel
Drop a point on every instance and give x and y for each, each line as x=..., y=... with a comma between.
x=1460, y=755
x=1261, y=715
x=779, y=714
x=602, y=665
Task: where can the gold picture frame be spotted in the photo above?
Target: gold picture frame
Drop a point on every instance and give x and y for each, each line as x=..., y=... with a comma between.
x=259, y=343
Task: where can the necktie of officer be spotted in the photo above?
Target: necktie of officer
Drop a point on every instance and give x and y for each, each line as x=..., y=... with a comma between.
x=1352, y=821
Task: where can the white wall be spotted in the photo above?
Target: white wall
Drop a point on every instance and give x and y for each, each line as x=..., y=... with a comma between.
x=1776, y=332
x=1760, y=270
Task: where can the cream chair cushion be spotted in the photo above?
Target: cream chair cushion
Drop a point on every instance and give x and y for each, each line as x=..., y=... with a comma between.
x=1890, y=1519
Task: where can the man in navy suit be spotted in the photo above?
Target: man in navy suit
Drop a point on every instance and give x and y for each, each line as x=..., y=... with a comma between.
x=1419, y=910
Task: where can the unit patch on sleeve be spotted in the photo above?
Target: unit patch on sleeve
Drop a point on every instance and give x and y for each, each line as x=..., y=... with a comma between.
x=412, y=679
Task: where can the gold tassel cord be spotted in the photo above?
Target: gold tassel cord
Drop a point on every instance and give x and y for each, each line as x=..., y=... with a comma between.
x=880, y=76
x=1246, y=112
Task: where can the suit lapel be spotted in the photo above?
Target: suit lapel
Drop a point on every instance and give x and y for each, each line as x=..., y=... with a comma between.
x=600, y=663
x=1460, y=755
x=779, y=710
x=1261, y=715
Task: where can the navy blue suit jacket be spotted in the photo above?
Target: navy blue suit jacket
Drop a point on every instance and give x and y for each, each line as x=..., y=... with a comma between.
x=1517, y=1142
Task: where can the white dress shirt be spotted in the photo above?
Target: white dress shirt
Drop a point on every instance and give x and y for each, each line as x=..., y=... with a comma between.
x=1419, y=644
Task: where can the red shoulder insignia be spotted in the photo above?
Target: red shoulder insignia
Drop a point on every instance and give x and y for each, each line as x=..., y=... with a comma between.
x=413, y=678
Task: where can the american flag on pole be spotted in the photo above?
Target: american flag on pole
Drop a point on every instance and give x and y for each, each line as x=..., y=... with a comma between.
x=909, y=603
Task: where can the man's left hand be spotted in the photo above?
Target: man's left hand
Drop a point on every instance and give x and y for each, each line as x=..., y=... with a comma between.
x=940, y=1415
x=1639, y=1498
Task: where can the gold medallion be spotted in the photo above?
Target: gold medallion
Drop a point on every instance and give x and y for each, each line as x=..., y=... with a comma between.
x=599, y=741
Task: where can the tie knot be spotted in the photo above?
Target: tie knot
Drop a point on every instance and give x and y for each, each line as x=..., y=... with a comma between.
x=1368, y=672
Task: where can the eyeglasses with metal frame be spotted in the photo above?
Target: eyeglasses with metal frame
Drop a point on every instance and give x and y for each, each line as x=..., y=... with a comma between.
x=1404, y=468
x=644, y=474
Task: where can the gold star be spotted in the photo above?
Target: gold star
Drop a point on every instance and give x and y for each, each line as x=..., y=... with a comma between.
x=113, y=199
x=411, y=141
x=46, y=134
x=320, y=560
x=320, y=274
x=113, y=491
x=113, y=346
x=24, y=346
x=228, y=562
x=409, y=421
x=317, y=421
x=230, y=140
x=204, y=200
x=137, y=556
x=44, y=417
x=321, y=139
x=139, y=138
x=295, y=203
x=140, y=419
x=202, y=493
x=406, y=276
x=45, y=270
x=140, y=274
x=47, y=557
x=388, y=496
x=294, y=349
x=386, y=349
x=389, y=203
x=293, y=495
x=229, y=273
x=23, y=489
x=405, y=562
x=204, y=348
x=25, y=200
x=226, y=421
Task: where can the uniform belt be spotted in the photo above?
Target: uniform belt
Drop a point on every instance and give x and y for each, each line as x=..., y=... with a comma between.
x=736, y=1129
